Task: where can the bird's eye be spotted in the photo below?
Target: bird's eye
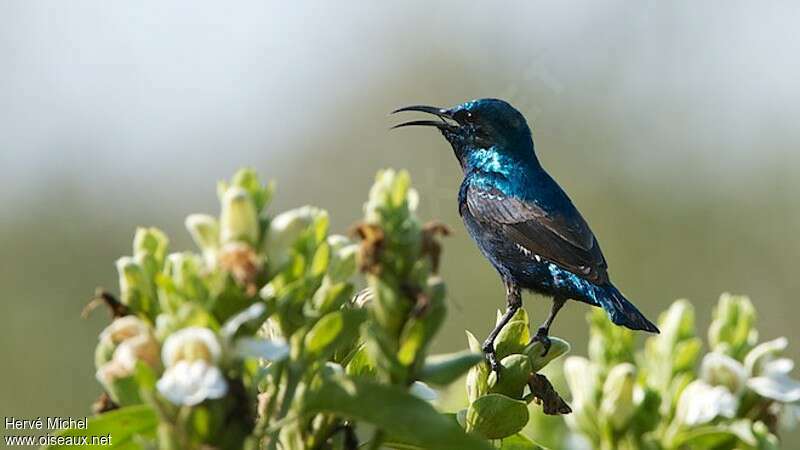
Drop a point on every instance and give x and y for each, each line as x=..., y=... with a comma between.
x=463, y=116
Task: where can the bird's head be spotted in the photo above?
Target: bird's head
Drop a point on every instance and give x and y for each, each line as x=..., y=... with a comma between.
x=485, y=124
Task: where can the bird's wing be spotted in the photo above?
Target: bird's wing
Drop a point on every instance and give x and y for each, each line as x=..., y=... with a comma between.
x=564, y=239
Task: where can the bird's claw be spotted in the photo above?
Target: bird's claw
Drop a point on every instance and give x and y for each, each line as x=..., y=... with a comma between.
x=491, y=359
x=541, y=336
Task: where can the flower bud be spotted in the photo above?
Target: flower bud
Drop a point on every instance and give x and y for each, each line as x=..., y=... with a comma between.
x=390, y=210
x=676, y=323
x=150, y=244
x=732, y=330
x=239, y=219
x=617, y=405
x=391, y=191
x=247, y=179
x=136, y=290
x=184, y=271
x=205, y=233
x=286, y=228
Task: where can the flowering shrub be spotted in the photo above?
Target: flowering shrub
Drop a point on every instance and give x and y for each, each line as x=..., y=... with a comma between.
x=267, y=337
x=738, y=395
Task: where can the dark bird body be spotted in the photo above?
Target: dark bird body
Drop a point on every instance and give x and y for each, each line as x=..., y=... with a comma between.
x=521, y=219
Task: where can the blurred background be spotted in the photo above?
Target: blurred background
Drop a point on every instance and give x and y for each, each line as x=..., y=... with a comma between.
x=673, y=126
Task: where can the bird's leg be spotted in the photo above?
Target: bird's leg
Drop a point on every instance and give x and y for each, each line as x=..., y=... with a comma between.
x=544, y=330
x=514, y=302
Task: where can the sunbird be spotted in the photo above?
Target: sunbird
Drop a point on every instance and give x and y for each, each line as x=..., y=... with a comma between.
x=521, y=219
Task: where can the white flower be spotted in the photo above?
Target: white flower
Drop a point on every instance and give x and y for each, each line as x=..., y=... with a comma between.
x=123, y=328
x=423, y=391
x=763, y=353
x=138, y=348
x=191, y=382
x=722, y=370
x=189, y=344
x=770, y=373
x=125, y=341
x=775, y=382
x=701, y=402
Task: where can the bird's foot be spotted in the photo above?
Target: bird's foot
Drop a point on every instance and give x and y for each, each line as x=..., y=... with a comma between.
x=541, y=336
x=491, y=358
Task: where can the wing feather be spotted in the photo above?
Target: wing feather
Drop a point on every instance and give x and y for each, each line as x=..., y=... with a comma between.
x=564, y=239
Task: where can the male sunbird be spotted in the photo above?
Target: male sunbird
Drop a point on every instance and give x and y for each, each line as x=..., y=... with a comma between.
x=521, y=219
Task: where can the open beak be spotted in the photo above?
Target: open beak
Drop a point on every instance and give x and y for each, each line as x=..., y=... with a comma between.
x=446, y=121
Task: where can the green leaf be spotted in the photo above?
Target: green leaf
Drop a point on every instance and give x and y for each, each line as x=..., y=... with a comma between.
x=121, y=424
x=332, y=330
x=473, y=343
x=534, y=351
x=360, y=364
x=520, y=442
x=329, y=297
x=514, y=336
x=496, y=416
x=324, y=332
x=124, y=391
x=513, y=377
x=407, y=419
x=411, y=341
x=442, y=370
x=321, y=259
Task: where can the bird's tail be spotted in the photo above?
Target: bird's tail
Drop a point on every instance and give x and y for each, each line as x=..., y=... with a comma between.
x=621, y=311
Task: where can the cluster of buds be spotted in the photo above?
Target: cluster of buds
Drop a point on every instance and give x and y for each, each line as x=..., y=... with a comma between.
x=406, y=298
x=184, y=341
x=498, y=402
x=668, y=397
